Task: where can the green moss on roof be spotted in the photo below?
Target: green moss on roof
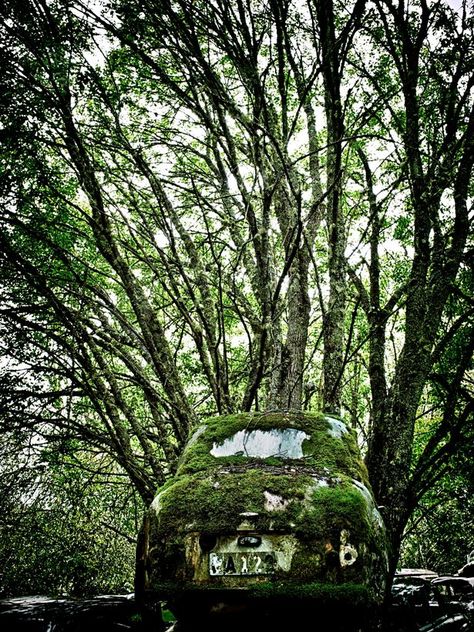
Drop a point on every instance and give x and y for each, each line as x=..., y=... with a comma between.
x=208, y=493
x=322, y=450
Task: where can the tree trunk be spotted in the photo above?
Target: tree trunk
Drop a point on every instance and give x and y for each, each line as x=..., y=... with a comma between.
x=286, y=391
x=333, y=361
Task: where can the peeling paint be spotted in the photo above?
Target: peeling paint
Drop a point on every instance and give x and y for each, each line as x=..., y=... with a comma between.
x=347, y=552
x=337, y=427
x=274, y=502
x=347, y=555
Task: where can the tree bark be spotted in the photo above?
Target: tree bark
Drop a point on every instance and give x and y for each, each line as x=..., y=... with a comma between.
x=333, y=360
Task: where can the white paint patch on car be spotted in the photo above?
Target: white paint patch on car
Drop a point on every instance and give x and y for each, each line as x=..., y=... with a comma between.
x=337, y=427
x=274, y=502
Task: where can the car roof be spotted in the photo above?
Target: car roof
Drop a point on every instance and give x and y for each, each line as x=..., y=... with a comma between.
x=449, y=579
x=324, y=443
x=416, y=572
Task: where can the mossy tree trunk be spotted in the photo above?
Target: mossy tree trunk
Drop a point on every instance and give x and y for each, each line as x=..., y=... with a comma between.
x=435, y=265
x=334, y=329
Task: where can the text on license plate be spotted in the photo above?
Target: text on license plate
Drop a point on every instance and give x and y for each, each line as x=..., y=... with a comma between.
x=244, y=563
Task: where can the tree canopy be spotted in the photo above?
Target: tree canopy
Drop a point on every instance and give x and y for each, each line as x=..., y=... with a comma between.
x=218, y=206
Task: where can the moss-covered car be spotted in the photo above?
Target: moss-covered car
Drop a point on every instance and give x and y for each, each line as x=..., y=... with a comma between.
x=265, y=509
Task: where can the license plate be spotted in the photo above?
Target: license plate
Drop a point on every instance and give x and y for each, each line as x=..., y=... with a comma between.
x=245, y=563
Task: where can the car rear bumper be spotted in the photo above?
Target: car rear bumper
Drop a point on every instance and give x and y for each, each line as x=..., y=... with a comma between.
x=346, y=607
x=281, y=592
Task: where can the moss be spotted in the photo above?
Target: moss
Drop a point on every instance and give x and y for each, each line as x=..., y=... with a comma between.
x=333, y=508
x=306, y=564
x=167, y=616
x=213, y=501
x=354, y=594
x=338, y=455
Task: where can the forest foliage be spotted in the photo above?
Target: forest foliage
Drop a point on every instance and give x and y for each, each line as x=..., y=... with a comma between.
x=220, y=206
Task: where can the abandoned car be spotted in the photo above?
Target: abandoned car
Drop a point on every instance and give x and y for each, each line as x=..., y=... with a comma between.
x=423, y=601
x=265, y=510
x=457, y=593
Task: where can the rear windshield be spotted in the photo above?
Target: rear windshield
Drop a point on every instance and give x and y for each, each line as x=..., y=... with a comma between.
x=279, y=442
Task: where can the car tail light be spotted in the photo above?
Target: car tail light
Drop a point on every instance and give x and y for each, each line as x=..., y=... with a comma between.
x=207, y=542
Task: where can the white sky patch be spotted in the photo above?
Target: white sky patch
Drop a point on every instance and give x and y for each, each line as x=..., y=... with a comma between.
x=161, y=240
x=455, y=4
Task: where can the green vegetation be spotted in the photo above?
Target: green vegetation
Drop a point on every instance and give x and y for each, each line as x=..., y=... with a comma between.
x=66, y=533
x=58, y=551
x=168, y=617
x=441, y=532
x=210, y=209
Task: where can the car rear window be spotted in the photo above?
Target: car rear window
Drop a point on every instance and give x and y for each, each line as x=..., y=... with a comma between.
x=279, y=442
